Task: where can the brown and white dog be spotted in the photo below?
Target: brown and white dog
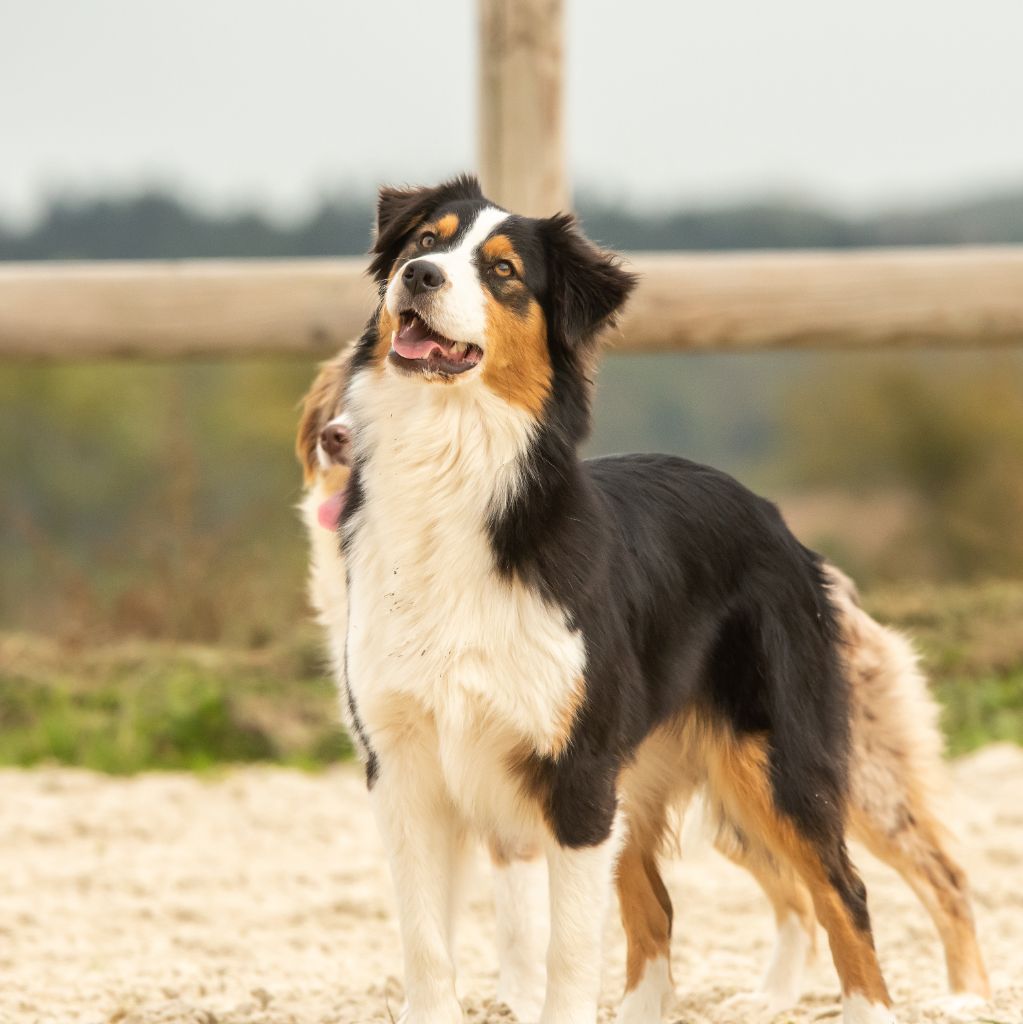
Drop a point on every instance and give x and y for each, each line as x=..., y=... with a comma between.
x=550, y=654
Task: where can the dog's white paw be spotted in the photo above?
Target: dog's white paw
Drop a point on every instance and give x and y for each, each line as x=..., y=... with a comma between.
x=648, y=1001
x=783, y=981
x=857, y=1009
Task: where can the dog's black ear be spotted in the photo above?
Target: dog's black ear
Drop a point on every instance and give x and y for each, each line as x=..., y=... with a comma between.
x=401, y=210
x=586, y=286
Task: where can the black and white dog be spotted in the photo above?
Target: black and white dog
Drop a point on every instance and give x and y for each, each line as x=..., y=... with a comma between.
x=550, y=653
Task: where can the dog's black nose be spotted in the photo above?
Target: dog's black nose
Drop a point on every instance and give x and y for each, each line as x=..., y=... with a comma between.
x=334, y=439
x=421, y=276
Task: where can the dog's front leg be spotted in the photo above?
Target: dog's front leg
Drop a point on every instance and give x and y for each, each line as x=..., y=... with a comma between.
x=424, y=839
x=580, y=892
x=520, y=903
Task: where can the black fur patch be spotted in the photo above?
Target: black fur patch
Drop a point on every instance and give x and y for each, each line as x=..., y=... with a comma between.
x=587, y=286
x=692, y=597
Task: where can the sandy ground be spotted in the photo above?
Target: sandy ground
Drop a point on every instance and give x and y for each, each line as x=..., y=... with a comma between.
x=261, y=897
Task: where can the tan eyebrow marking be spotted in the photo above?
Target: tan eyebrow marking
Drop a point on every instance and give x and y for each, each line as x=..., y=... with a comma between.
x=500, y=247
x=447, y=225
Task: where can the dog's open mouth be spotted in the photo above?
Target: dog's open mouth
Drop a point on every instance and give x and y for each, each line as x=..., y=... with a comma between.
x=416, y=346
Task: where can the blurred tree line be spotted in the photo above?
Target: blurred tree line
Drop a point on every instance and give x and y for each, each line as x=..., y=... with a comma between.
x=159, y=225
x=157, y=499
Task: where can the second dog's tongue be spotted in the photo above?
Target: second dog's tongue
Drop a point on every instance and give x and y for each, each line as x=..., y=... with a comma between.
x=414, y=341
x=329, y=511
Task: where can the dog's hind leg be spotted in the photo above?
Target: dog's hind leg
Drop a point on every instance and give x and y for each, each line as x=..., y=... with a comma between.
x=896, y=775
x=915, y=848
x=739, y=778
x=796, y=939
x=655, y=780
x=647, y=918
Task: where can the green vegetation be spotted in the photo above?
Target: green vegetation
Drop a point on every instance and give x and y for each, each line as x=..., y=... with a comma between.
x=133, y=705
x=946, y=435
x=156, y=224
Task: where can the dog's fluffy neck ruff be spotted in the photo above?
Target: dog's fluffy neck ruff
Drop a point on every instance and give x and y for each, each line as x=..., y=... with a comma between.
x=435, y=615
x=490, y=464
x=462, y=444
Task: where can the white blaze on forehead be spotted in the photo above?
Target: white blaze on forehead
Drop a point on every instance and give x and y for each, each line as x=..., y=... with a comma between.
x=458, y=309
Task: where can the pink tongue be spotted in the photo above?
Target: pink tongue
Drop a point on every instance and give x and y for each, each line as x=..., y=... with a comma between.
x=413, y=341
x=329, y=513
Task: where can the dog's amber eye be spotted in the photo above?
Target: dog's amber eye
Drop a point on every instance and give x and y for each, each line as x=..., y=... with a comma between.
x=427, y=239
x=504, y=269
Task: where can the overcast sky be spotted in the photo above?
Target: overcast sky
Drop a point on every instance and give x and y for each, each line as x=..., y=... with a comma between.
x=242, y=101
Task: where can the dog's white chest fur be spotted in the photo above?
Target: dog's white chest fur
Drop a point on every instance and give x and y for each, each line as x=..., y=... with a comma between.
x=432, y=624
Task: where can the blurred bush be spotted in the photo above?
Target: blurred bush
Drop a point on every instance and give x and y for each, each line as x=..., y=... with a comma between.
x=941, y=436
x=151, y=499
x=157, y=500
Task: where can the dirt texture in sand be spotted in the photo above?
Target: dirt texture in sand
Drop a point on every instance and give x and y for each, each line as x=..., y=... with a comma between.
x=262, y=897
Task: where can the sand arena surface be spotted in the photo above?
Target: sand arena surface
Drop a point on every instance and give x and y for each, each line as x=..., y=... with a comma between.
x=262, y=897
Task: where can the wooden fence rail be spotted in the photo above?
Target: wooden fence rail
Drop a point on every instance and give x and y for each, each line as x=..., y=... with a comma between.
x=961, y=297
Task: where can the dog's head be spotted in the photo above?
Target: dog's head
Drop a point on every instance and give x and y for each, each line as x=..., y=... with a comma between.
x=324, y=443
x=474, y=296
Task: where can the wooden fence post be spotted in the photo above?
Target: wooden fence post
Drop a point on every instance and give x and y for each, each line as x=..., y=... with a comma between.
x=521, y=105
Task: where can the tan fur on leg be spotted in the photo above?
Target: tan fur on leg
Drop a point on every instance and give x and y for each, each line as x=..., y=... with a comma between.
x=738, y=779
x=796, y=941
x=654, y=779
x=646, y=912
x=916, y=852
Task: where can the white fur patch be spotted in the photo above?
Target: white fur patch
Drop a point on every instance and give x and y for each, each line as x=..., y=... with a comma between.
x=520, y=906
x=580, y=882
x=649, y=1000
x=424, y=840
x=857, y=1009
x=783, y=982
x=458, y=311
x=457, y=670
x=435, y=633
